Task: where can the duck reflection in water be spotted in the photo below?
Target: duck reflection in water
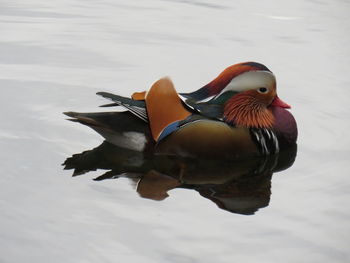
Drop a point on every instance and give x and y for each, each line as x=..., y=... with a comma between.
x=238, y=185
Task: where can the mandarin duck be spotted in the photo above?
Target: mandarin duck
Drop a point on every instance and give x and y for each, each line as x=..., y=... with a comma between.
x=238, y=114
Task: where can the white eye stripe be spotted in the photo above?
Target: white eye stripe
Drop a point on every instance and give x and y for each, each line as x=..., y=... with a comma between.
x=251, y=80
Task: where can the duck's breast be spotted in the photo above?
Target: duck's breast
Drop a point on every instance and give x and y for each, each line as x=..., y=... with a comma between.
x=285, y=127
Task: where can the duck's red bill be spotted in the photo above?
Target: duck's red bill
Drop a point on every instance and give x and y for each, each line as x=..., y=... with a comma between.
x=277, y=102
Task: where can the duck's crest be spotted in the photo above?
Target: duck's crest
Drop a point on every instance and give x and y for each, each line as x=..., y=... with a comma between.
x=220, y=82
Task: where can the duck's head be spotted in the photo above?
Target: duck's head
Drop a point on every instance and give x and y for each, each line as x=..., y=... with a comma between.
x=247, y=91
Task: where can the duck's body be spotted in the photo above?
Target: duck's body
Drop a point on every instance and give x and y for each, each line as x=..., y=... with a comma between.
x=242, y=117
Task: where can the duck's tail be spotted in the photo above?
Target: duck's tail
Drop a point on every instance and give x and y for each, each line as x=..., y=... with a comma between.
x=119, y=128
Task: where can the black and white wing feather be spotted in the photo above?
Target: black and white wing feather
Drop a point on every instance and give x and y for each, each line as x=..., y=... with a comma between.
x=136, y=107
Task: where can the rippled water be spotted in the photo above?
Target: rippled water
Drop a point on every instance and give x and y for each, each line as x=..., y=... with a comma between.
x=55, y=55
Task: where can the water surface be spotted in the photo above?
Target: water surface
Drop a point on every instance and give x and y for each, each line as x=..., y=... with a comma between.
x=55, y=55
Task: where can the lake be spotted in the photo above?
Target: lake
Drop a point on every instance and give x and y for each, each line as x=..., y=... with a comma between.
x=54, y=57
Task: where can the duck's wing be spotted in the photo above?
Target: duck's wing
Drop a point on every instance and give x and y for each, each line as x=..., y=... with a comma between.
x=136, y=107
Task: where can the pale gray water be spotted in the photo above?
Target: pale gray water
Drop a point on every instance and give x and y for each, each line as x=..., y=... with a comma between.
x=54, y=56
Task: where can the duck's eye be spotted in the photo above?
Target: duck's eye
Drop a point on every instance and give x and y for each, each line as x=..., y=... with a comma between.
x=263, y=90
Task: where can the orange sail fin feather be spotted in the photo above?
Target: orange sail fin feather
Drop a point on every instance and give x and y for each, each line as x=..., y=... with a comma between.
x=164, y=106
